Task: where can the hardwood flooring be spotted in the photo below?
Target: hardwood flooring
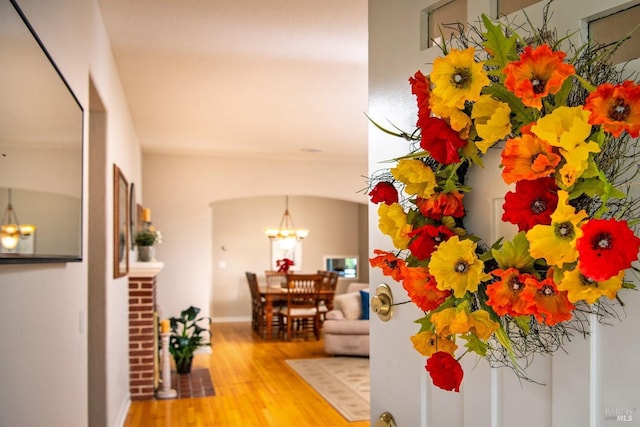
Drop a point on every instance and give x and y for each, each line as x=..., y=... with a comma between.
x=253, y=387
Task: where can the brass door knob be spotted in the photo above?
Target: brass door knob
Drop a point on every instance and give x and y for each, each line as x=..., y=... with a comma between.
x=381, y=303
x=385, y=420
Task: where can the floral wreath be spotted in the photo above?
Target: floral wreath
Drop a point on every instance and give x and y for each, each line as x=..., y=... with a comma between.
x=564, y=129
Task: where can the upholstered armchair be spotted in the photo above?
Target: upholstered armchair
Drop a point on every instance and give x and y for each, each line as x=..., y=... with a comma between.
x=346, y=327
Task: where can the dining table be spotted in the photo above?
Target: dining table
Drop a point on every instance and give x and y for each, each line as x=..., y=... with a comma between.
x=272, y=294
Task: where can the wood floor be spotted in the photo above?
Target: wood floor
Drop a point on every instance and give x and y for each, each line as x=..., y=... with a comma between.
x=253, y=387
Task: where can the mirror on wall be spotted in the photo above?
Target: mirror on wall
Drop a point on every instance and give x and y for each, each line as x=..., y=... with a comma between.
x=41, y=127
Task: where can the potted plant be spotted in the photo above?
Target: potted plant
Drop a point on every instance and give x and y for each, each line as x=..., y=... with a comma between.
x=187, y=336
x=145, y=241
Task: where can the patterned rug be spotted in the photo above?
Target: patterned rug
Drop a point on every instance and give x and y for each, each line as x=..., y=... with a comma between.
x=341, y=381
x=197, y=383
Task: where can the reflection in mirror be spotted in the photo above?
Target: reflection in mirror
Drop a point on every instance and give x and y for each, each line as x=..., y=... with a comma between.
x=40, y=146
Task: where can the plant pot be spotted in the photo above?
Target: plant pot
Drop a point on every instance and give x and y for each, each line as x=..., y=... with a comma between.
x=184, y=366
x=146, y=253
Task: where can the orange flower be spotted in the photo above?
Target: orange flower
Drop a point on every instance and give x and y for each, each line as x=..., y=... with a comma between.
x=390, y=264
x=421, y=288
x=528, y=157
x=617, y=108
x=442, y=204
x=510, y=295
x=551, y=306
x=538, y=73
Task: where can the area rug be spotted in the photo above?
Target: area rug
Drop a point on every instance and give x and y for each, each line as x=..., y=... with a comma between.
x=197, y=383
x=341, y=381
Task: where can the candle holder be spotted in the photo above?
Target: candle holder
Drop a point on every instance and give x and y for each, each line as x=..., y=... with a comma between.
x=166, y=392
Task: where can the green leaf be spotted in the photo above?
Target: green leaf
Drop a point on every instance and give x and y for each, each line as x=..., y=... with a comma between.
x=523, y=323
x=425, y=323
x=475, y=344
x=514, y=254
x=501, y=48
x=520, y=114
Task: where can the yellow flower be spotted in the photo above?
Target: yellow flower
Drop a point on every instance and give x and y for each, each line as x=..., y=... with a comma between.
x=556, y=243
x=456, y=266
x=482, y=324
x=418, y=178
x=392, y=221
x=492, y=120
x=427, y=343
x=580, y=287
x=458, y=320
x=458, y=119
x=567, y=128
x=458, y=78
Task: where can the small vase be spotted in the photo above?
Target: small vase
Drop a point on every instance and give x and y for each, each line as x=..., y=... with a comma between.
x=146, y=253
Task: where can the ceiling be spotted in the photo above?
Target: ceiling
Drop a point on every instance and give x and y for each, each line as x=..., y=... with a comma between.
x=277, y=78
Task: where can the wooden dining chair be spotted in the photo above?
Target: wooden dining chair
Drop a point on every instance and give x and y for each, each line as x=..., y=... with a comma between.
x=329, y=285
x=301, y=314
x=276, y=278
x=258, y=313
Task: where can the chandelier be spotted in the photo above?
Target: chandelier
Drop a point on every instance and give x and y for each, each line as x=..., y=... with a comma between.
x=286, y=234
x=10, y=228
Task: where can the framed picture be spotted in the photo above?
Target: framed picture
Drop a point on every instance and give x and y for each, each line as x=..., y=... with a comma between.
x=280, y=251
x=121, y=224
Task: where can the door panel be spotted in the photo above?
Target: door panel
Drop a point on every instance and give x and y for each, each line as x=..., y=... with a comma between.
x=591, y=382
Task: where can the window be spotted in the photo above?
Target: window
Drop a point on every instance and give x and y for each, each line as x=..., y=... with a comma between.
x=442, y=20
x=505, y=7
x=612, y=28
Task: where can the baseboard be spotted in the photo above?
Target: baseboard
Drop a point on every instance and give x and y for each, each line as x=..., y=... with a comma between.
x=231, y=319
x=124, y=411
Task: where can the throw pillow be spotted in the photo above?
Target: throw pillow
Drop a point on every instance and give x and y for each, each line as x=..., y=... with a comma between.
x=349, y=304
x=364, y=297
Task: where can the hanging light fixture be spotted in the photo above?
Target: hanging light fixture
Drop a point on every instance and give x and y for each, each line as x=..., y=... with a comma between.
x=10, y=228
x=286, y=234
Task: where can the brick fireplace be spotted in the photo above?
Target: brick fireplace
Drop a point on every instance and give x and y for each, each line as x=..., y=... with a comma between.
x=143, y=341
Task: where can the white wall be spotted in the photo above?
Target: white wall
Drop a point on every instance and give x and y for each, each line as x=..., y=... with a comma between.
x=43, y=308
x=181, y=190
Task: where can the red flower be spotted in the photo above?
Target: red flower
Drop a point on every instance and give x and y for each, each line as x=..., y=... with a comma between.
x=441, y=141
x=606, y=247
x=531, y=204
x=617, y=108
x=445, y=371
x=420, y=87
x=384, y=192
x=425, y=239
x=421, y=288
x=442, y=204
x=284, y=264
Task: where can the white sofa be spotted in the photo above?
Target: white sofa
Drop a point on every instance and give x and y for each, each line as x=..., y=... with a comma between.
x=346, y=329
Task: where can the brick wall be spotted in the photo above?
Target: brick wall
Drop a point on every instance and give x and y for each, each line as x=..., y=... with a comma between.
x=142, y=337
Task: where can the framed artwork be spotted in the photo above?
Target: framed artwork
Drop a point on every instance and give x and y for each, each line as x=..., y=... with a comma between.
x=280, y=250
x=121, y=224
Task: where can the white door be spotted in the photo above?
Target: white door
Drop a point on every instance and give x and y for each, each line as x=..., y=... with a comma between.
x=598, y=378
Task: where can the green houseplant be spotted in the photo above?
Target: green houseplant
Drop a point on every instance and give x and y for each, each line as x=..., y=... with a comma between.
x=145, y=238
x=145, y=241
x=187, y=336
